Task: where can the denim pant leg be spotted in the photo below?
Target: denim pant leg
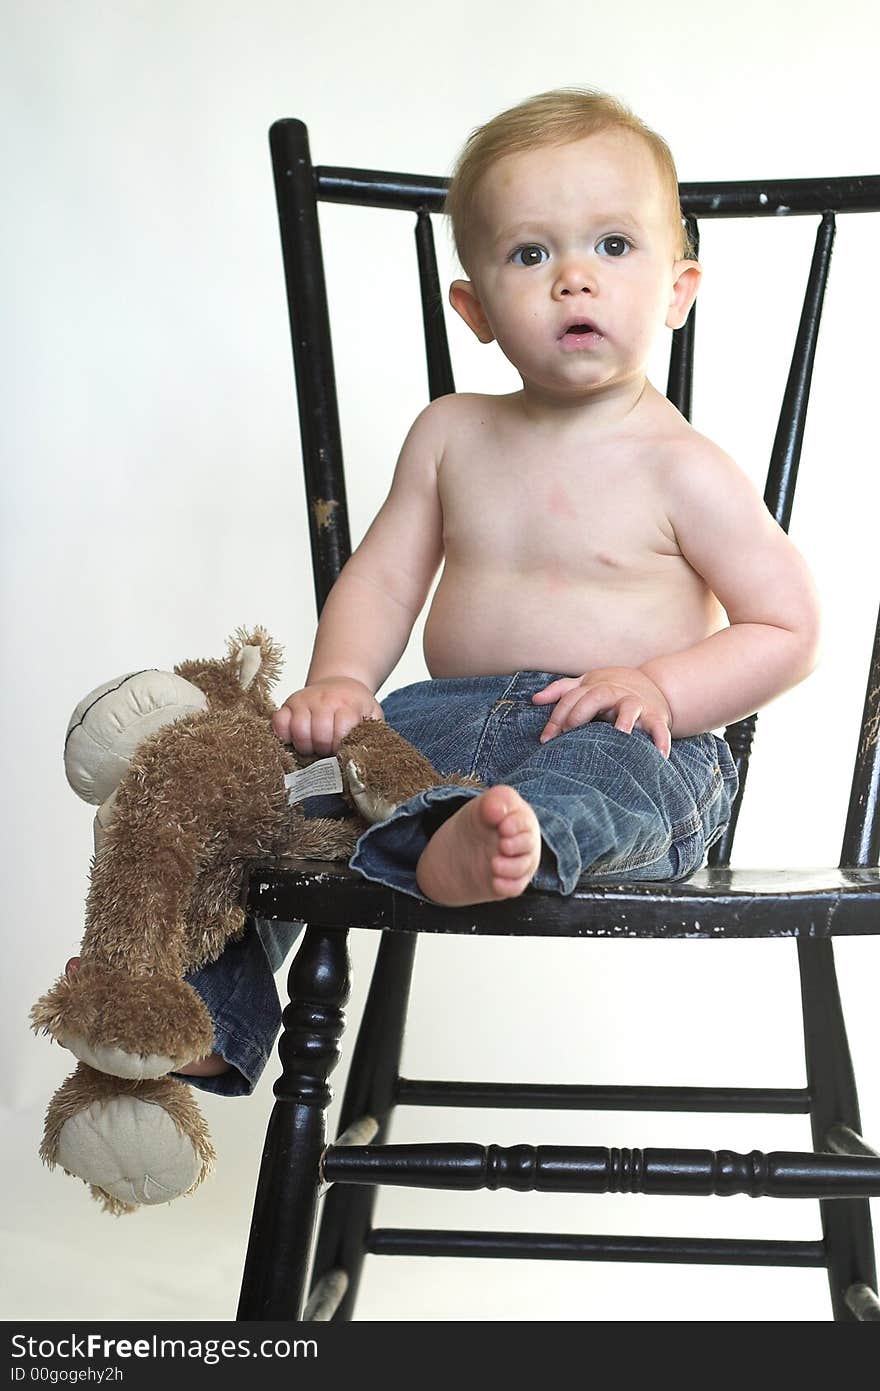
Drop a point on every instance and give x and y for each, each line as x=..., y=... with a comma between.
x=446, y=720
x=611, y=807
x=240, y=994
x=608, y=804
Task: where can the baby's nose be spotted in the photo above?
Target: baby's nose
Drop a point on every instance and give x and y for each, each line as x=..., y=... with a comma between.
x=576, y=278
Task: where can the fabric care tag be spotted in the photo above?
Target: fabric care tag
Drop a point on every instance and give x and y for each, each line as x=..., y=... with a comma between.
x=318, y=780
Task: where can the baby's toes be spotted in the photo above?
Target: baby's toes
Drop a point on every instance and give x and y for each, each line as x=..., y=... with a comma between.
x=510, y=866
x=515, y=823
x=516, y=843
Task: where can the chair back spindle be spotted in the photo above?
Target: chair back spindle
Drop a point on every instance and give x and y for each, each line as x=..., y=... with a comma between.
x=440, y=379
x=786, y=452
x=329, y=533
x=782, y=477
x=861, y=835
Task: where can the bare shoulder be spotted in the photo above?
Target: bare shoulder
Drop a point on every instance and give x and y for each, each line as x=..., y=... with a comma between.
x=426, y=439
x=696, y=473
x=725, y=530
x=439, y=421
x=461, y=407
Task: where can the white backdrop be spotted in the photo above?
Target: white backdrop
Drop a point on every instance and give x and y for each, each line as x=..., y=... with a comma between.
x=153, y=502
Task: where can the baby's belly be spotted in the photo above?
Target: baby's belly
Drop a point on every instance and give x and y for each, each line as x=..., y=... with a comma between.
x=482, y=624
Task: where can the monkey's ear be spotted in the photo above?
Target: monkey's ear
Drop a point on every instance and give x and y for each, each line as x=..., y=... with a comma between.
x=250, y=661
x=256, y=658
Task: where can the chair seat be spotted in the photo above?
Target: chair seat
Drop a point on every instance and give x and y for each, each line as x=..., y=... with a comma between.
x=828, y=902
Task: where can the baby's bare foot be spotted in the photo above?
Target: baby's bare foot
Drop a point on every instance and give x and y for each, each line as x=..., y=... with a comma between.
x=212, y=1066
x=489, y=849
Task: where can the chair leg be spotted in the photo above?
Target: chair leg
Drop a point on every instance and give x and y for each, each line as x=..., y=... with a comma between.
x=287, y=1191
x=348, y=1208
x=846, y=1222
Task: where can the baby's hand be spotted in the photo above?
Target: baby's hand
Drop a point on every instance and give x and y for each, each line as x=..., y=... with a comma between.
x=623, y=694
x=316, y=719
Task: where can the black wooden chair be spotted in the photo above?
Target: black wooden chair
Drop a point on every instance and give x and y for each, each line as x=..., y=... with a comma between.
x=841, y=1171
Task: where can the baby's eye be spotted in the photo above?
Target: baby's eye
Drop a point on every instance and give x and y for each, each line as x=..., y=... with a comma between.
x=614, y=246
x=529, y=253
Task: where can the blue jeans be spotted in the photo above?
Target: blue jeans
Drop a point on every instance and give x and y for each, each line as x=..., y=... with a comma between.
x=609, y=806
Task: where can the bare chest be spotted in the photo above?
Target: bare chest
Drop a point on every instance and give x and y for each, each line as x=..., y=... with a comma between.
x=557, y=559
x=594, y=519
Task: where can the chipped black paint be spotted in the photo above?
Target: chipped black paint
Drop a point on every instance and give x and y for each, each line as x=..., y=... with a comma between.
x=713, y=903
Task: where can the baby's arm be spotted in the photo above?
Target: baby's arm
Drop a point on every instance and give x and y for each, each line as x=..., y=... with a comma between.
x=728, y=536
x=725, y=531
x=370, y=611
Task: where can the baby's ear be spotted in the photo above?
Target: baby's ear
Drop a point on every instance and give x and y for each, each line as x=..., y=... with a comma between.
x=686, y=277
x=465, y=301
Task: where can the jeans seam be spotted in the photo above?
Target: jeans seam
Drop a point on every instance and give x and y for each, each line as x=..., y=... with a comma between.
x=492, y=727
x=641, y=864
x=702, y=805
x=676, y=843
x=711, y=797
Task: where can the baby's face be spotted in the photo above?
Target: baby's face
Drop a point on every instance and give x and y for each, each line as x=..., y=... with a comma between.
x=579, y=232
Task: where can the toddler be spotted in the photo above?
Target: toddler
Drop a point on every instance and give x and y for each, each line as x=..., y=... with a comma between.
x=591, y=540
x=613, y=589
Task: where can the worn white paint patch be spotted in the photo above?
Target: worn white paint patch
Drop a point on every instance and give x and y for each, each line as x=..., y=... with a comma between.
x=324, y=511
x=360, y=1132
x=326, y=1297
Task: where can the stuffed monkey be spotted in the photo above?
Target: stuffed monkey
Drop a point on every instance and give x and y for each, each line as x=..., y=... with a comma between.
x=191, y=782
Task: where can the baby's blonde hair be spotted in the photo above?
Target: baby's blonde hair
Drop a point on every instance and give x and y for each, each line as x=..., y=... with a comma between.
x=551, y=118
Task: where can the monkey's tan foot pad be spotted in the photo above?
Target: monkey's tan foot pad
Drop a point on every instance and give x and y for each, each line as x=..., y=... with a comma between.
x=127, y=1026
x=116, y=1061
x=147, y=1144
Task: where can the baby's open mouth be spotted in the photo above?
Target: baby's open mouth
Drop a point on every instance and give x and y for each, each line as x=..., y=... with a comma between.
x=579, y=329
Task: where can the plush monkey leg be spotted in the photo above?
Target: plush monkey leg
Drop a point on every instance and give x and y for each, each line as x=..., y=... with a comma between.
x=382, y=770
x=133, y=1143
x=206, y=789
x=128, y=1026
x=127, y=1010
